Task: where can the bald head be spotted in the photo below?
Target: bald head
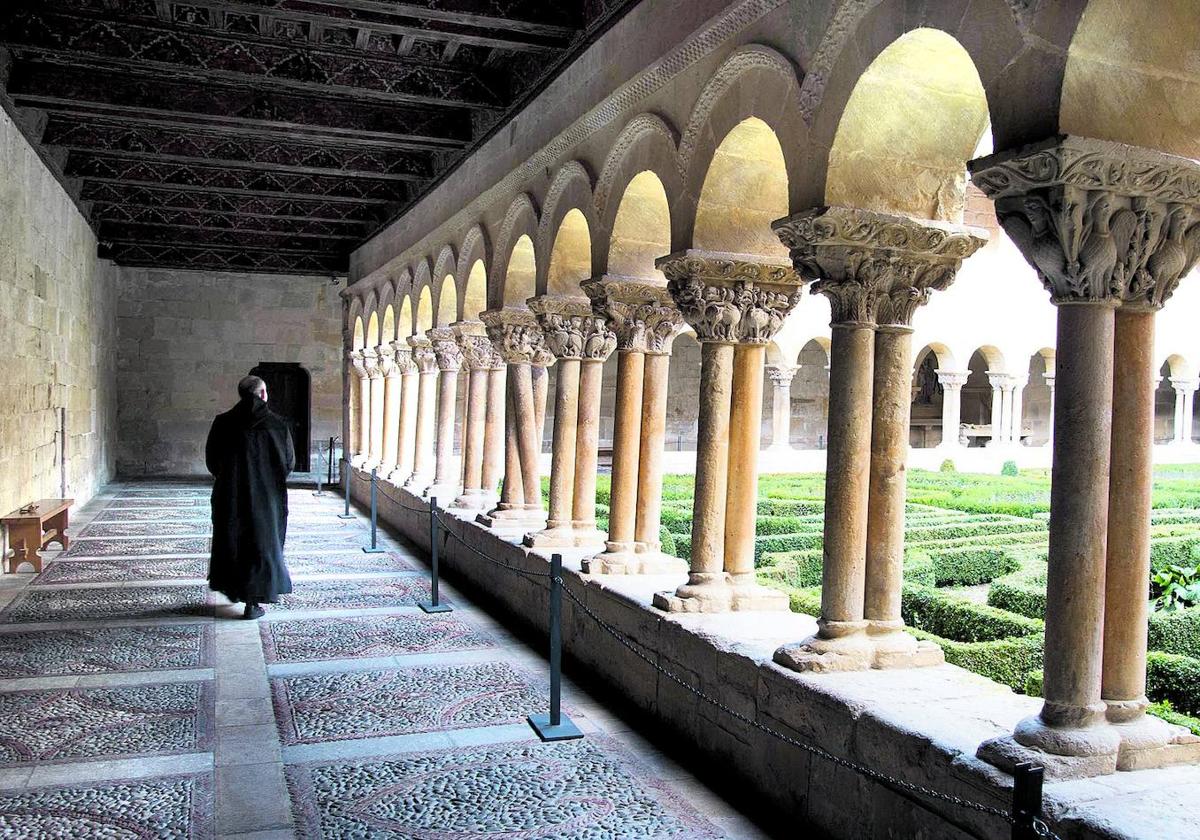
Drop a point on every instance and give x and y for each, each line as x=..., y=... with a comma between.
x=252, y=386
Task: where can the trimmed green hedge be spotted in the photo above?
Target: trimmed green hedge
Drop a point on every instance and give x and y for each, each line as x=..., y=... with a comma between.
x=1009, y=661
x=971, y=566
x=1174, y=678
x=667, y=539
x=1175, y=551
x=1176, y=632
x=960, y=620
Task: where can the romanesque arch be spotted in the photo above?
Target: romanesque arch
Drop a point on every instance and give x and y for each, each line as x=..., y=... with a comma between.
x=447, y=302
x=515, y=255
x=475, y=291
x=474, y=253
x=424, y=311
x=404, y=323
x=570, y=261
x=640, y=228
x=567, y=220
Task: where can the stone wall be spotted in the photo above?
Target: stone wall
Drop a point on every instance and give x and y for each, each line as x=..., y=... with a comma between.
x=57, y=337
x=187, y=337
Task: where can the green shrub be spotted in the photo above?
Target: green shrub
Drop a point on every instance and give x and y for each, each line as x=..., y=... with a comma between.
x=947, y=466
x=806, y=600
x=790, y=507
x=1167, y=712
x=667, y=539
x=1008, y=661
x=1019, y=596
x=971, y=566
x=796, y=568
x=1010, y=469
x=960, y=620
x=683, y=545
x=770, y=543
x=771, y=525
x=1174, y=678
x=918, y=568
x=1033, y=683
x=1177, y=587
x=1176, y=632
x=1178, y=551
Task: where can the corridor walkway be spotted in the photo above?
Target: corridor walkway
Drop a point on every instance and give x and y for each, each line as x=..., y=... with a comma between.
x=134, y=703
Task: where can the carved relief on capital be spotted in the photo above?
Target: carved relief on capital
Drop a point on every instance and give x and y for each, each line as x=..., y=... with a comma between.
x=731, y=298
x=1098, y=220
x=422, y=354
x=641, y=315
x=952, y=379
x=445, y=348
x=370, y=358
x=571, y=329
x=357, y=363
x=875, y=267
x=387, y=360
x=515, y=334
x=781, y=375
x=404, y=357
x=478, y=352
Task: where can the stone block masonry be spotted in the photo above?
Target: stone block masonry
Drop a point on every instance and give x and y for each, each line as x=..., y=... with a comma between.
x=57, y=337
x=186, y=337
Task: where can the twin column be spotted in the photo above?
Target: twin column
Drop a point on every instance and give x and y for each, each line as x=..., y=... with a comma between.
x=876, y=270
x=483, y=424
x=1106, y=226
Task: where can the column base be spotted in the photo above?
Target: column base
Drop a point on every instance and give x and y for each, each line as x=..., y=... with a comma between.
x=443, y=493
x=1065, y=752
x=554, y=536
x=895, y=648
x=532, y=518
x=749, y=594
x=842, y=646
x=1148, y=743
x=418, y=482
x=399, y=477
x=705, y=592
x=474, y=499
x=634, y=563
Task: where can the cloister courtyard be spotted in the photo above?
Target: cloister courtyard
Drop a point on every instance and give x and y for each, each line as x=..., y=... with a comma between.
x=792, y=401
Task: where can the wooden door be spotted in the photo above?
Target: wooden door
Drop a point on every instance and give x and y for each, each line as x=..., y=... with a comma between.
x=289, y=395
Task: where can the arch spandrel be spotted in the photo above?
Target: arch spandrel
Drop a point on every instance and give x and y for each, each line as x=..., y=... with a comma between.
x=569, y=197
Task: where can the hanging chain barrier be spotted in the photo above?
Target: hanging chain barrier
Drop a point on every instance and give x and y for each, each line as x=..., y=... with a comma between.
x=1024, y=818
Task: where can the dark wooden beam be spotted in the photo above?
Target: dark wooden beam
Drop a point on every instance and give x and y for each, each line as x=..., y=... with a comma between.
x=226, y=237
x=221, y=258
x=137, y=215
x=227, y=202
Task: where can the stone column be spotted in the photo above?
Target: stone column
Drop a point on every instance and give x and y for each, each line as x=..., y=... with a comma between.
x=560, y=320
x=449, y=361
x=663, y=325
x=1185, y=390
x=998, y=381
x=539, y=373
x=1102, y=223
x=781, y=405
x=1177, y=418
x=391, y=407
x=408, y=412
x=493, y=432
x=358, y=361
x=426, y=414
x=1017, y=408
x=952, y=382
x=587, y=435
x=375, y=392
x=515, y=334
x=875, y=269
x=1049, y=378
x=480, y=357
x=1189, y=410
x=735, y=303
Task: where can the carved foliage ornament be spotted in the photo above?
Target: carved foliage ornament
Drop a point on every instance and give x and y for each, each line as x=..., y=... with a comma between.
x=572, y=330
x=358, y=363
x=1097, y=220
x=730, y=299
x=424, y=359
x=371, y=362
x=875, y=267
x=642, y=315
x=445, y=348
x=387, y=360
x=404, y=357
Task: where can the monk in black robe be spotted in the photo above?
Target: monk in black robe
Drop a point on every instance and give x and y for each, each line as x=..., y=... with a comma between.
x=249, y=452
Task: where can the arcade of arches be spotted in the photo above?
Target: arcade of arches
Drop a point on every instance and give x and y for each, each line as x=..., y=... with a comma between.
x=850, y=237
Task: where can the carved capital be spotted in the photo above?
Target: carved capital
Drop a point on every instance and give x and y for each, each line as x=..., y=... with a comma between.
x=515, y=333
x=875, y=267
x=952, y=379
x=387, y=360
x=642, y=315
x=1099, y=221
x=1001, y=381
x=781, y=375
x=478, y=352
x=445, y=348
x=1184, y=384
x=358, y=363
x=731, y=298
x=571, y=329
x=404, y=357
x=422, y=354
x=370, y=358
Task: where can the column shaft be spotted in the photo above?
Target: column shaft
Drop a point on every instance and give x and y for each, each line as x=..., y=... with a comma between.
x=447, y=399
x=741, y=498
x=587, y=444
x=997, y=416
x=1127, y=568
x=889, y=453
x=512, y=492
x=847, y=480
x=1189, y=407
x=377, y=411
x=1177, y=430
x=781, y=413
x=477, y=393
x=650, y=458
x=494, y=445
x=364, y=416
x=563, y=444
x=408, y=425
x=425, y=427
x=1017, y=410
x=951, y=414
x=622, y=515
x=528, y=440
x=391, y=422
x=712, y=471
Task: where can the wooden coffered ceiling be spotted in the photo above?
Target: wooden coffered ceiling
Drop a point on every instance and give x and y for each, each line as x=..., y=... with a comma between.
x=270, y=135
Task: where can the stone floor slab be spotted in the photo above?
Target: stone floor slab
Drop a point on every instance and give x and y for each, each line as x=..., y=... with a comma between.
x=170, y=808
x=357, y=594
x=331, y=706
x=121, y=570
x=77, y=724
x=573, y=789
x=97, y=650
x=139, y=547
x=94, y=604
x=362, y=637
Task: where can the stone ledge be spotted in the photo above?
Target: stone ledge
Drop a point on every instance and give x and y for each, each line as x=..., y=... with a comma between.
x=920, y=725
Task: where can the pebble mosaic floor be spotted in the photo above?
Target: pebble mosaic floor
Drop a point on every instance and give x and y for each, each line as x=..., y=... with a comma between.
x=136, y=703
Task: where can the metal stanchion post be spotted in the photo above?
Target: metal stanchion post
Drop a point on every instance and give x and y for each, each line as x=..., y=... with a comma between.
x=374, y=547
x=329, y=460
x=1027, y=800
x=317, y=472
x=346, y=488
x=433, y=605
x=554, y=726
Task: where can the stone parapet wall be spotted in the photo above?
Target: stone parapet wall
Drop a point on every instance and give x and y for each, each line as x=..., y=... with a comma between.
x=187, y=337
x=919, y=725
x=57, y=337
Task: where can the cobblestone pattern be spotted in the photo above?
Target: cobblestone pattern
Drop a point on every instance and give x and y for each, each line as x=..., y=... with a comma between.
x=350, y=561
x=89, y=723
x=171, y=526
x=172, y=808
x=161, y=491
x=99, y=650
x=128, y=515
x=64, y=604
x=149, y=502
x=567, y=791
x=167, y=547
x=357, y=594
x=374, y=704
x=310, y=640
x=122, y=570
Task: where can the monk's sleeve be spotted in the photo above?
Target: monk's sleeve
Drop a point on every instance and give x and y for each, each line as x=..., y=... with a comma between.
x=289, y=451
x=212, y=448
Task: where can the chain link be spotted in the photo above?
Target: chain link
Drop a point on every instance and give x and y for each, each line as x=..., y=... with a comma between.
x=379, y=484
x=526, y=572
x=874, y=775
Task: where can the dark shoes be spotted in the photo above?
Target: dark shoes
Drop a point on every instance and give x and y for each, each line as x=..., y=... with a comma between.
x=253, y=611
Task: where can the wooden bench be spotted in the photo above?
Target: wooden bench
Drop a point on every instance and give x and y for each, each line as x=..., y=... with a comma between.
x=33, y=528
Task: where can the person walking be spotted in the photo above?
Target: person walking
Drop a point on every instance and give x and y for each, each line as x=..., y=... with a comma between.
x=249, y=453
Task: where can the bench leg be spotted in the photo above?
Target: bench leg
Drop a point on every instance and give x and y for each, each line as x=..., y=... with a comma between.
x=25, y=544
x=59, y=523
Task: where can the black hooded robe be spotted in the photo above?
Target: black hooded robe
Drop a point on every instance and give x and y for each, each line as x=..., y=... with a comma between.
x=249, y=452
